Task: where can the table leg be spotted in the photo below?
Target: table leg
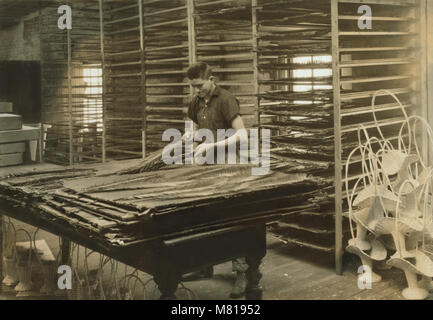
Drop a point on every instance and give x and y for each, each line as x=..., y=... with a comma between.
x=167, y=283
x=1, y=250
x=253, y=290
x=66, y=251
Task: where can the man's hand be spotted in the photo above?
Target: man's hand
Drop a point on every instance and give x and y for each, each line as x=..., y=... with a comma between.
x=204, y=148
x=240, y=136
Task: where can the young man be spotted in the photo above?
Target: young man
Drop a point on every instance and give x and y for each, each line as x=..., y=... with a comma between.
x=215, y=108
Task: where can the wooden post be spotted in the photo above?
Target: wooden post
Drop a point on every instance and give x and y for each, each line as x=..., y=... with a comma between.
x=423, y=67
x=192, y=41
x=143, y=80
x=1, y=251
x=65, y=251
x=429, y=62
x=337, y=138
x=71, y=145
x=254, y=24
x=41, y=139
x=104, y=82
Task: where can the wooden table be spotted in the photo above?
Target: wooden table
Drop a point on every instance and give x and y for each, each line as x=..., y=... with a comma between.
x=167, y=222
x=166, y=259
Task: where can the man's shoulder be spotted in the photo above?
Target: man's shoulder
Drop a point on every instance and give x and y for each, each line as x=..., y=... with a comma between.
x=225, y=94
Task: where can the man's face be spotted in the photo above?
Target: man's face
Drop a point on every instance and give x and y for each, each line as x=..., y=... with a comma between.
x=201, y=87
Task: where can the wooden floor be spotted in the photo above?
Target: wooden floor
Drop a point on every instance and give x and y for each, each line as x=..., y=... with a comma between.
x=289, y=273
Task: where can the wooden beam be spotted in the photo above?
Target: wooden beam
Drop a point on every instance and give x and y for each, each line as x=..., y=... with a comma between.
x=337, y=138
x=423, y=88
x=143, y=82
x=429, y=63
x=70, y=114
x=254, y=24
x=192, y=41
x=104, y=81
x=400, y=3
x=1, y=249
x=41, y=139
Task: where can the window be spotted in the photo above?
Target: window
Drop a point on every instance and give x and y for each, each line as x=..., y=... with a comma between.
x=312, y=74
x=316, y=69
x=92, y=113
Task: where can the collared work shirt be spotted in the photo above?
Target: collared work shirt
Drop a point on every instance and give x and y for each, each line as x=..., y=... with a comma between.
x=219, y=113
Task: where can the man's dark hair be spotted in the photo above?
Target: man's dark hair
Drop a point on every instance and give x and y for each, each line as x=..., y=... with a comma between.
x=199, y=70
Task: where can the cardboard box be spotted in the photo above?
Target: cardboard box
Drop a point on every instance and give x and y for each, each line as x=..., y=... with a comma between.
x=10, y=121
x=8, y=148
x=11, y=159
x=25, y=134
x=6, y=107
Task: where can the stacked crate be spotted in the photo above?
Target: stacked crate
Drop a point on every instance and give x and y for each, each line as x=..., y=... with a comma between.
x=13, y=136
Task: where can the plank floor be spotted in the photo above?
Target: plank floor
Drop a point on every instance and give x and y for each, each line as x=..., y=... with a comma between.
x=289, y=273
